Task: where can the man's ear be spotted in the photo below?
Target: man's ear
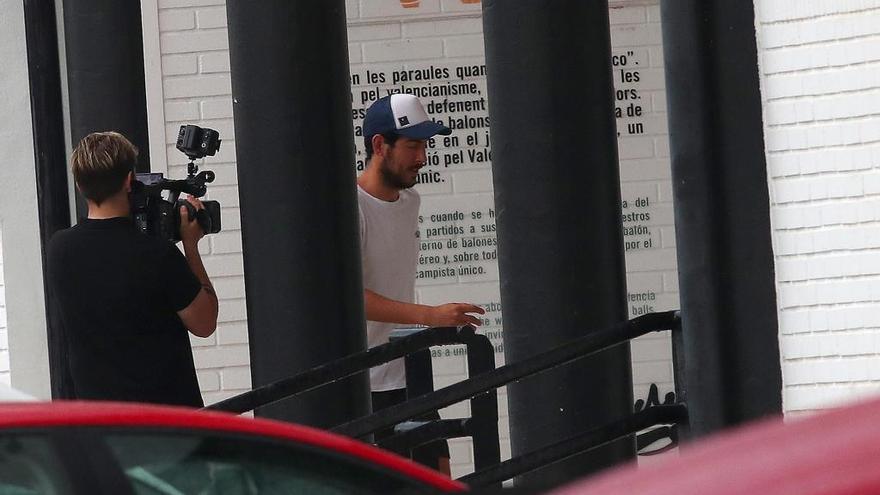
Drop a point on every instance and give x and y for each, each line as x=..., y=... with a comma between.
x=378, y=142
x=128, y=181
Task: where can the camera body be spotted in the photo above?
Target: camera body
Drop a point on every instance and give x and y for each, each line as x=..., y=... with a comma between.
x=159, y=216
x=197, y=142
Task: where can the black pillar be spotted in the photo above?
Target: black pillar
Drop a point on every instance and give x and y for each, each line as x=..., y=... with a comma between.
x=295, y=156
x=51, y=161
x=730, y=352
x=557, y=194
x=105, y=72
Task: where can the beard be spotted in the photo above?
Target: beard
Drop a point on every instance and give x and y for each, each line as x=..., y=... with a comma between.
x=395, y=179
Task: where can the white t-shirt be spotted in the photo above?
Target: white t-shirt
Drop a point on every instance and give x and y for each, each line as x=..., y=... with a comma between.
x=389, y=252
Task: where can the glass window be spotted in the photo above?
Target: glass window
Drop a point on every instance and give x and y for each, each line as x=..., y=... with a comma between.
x=29, y=466
x=171, y=463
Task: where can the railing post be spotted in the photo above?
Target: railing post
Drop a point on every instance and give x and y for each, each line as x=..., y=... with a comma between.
x=419, y=373
x=419, y=381
x=483, y=425
x=484, y=407
x=679, y=373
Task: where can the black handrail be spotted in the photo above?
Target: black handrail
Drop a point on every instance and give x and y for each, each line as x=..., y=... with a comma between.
x=341, y=368
x=584, y=442
x=593, y=342
x=481, y=386
x=417, y=433
x=644, y=440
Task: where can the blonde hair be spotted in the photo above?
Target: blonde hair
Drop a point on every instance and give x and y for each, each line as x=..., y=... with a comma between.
x=101, y=162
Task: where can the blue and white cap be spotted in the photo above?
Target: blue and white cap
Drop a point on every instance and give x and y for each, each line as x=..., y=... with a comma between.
x=401, y=114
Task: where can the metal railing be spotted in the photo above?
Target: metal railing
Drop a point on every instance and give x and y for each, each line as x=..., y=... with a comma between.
x=482, y=426
x=591, y=343
x=340, y=368
x=577, y=444
x=480, y=389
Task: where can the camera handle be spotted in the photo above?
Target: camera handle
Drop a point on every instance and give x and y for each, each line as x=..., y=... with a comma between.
x=194, y=184
x=205, y=176
x=200, y=216
x=193, y=176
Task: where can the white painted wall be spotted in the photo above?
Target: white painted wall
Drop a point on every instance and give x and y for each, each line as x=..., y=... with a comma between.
x=4, y=339
x=820, y=72
x=25, y=363
x=191, y=49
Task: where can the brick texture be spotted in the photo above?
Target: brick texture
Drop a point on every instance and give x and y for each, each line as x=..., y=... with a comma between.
x=196, y=85
x=4, y=340
x=820, y=70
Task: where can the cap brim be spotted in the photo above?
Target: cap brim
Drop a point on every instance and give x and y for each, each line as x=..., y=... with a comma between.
x=424, y=130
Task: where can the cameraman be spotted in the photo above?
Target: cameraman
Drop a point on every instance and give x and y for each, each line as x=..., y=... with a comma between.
x=127, y=299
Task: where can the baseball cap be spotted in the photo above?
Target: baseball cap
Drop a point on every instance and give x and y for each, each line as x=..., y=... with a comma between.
x=401, y=114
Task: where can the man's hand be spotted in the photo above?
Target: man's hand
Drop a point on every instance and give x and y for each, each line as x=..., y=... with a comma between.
x=380, y=308
x=452, y=315
x=190, y=230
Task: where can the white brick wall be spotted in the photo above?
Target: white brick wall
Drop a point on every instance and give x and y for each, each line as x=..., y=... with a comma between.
x=4, y=339
x=193, y=46
x=820, y=71
x=385, y=37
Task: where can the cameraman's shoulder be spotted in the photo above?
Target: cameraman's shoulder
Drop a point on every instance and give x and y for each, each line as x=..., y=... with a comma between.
x=156, y=247
x=64, y=245
x=56, y=243
x=63, y=236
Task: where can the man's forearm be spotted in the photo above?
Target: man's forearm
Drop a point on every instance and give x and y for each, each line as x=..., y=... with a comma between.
x=194, y=260
x=380, y=308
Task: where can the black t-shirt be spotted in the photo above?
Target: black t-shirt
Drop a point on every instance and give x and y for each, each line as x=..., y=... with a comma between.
x=118, y=292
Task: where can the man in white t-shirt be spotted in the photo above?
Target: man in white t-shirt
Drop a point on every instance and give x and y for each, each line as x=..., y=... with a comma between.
x=396, y=132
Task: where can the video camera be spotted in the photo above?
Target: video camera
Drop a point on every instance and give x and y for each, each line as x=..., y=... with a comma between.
x=160, y=217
